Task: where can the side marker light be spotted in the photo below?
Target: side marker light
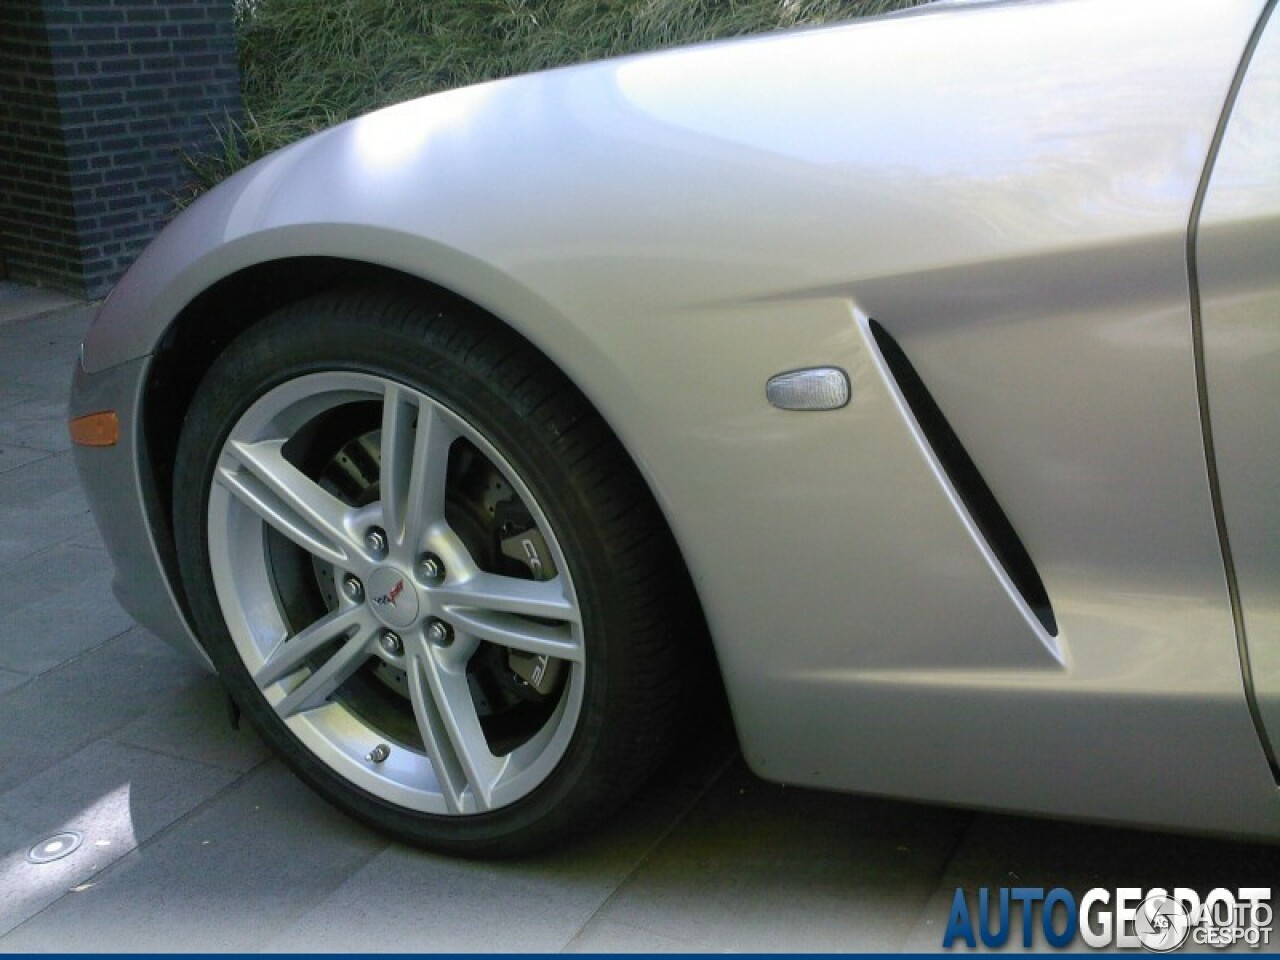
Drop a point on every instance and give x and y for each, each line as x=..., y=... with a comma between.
x=96, y=429
x=818, y=388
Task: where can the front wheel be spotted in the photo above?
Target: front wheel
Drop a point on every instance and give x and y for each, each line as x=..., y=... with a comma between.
x=428, y=573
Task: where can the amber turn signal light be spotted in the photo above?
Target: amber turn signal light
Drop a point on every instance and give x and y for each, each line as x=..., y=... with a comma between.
x=96, y=429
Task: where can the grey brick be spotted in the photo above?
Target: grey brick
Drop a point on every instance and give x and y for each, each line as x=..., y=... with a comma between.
x=136, y=80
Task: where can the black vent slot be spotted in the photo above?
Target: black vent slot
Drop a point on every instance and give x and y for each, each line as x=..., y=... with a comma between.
x=967, y=481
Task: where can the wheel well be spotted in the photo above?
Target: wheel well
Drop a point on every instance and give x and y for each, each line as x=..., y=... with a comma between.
x=206, y=326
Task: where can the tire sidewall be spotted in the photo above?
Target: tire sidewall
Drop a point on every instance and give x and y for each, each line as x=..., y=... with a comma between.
x=424, y=355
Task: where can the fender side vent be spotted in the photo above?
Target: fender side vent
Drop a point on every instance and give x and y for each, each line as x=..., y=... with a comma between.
x=967, y=481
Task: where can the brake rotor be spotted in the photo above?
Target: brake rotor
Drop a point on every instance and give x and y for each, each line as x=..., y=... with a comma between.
x=500, y=534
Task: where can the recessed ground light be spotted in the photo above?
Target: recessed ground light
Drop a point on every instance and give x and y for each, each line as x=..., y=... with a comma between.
x=55, y=847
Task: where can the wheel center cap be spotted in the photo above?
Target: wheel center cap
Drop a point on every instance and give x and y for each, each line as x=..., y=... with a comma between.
x=392, y=597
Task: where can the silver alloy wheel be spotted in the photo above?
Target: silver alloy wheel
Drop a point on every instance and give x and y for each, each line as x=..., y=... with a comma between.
x=450, y=766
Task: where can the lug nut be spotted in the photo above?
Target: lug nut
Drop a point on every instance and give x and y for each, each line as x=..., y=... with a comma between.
x=353, y=588
x=431, y=568
x=440, y=633
x=391, y=643
x=378, y=753
x=376, y=541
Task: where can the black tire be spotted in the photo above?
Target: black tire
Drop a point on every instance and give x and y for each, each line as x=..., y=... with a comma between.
x=632, y=593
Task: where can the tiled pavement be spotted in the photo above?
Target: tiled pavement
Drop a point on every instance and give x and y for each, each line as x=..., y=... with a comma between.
x=196, y=840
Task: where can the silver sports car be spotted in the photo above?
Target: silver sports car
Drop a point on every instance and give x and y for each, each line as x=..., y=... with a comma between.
x=916, y=379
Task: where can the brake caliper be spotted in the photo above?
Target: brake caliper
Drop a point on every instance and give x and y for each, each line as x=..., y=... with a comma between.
x=522, y=543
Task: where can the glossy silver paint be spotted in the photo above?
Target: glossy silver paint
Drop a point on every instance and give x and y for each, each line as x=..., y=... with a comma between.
x=117, y=484
x=1005, y=187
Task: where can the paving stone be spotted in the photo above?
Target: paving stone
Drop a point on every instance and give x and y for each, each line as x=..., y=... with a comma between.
x=42, y=577
x=18, y=301
x=67, y=325
x=850, y=873
x=605, y=936
x=39, y=354
x=410, y=900
x=46, y=378
x=11, y=393
x=57, y=605
x=41, y=505
x=14, y=456
x=226, y=878
x=193, y=723
x=38, y=424
x=44, y=482
x=157, y=789
x=114, y=796
x=29, y=888
x=65, y=709
x=12, y=678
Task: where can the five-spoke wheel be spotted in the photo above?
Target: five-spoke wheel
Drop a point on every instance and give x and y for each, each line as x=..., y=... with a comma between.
x=383, y=545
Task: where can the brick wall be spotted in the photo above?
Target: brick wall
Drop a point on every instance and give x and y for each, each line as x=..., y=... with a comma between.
x=99, y=99
x=37, y=216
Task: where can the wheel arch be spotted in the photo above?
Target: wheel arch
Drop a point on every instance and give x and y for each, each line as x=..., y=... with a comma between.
x=216, y=316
